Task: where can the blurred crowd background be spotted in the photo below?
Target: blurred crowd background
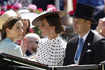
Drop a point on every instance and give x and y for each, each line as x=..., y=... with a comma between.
x=38, y=6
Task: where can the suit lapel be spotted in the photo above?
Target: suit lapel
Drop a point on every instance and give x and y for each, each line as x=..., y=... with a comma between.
x=89, y=40
x=76, y=44
x=87, y=45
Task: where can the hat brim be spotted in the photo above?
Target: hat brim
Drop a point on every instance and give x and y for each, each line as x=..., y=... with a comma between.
x=46, y=13
x=3, y=20
x=79, y=12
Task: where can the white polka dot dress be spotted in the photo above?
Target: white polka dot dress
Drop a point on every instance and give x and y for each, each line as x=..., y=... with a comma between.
x=51, y=52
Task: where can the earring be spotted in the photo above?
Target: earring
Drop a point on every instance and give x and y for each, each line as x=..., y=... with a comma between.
x=100, y=30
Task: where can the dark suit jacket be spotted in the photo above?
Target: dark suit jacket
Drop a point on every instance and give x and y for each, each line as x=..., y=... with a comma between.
x=93, y=50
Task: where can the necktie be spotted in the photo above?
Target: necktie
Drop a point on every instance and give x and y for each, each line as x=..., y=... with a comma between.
x=79, y=50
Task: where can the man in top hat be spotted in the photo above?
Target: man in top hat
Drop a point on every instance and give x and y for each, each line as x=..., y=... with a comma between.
x=88, y=47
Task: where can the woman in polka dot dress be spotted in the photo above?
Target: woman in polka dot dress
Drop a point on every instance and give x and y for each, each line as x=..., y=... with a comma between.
x=51, y=48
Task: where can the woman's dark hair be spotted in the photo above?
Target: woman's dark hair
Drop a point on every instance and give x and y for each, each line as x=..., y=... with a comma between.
x=54, y=20
x=28, y=29
x=9, y=24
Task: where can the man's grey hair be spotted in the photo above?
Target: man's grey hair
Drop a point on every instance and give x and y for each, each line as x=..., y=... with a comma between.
x=32, y=35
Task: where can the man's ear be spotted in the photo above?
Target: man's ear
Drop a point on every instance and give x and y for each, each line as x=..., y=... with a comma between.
x=89, y=23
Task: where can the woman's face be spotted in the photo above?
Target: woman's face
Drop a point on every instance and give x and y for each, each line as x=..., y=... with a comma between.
x=26, y=25
x=17, y=31
x=45, y=28
x=101, y=26
x=31, y=44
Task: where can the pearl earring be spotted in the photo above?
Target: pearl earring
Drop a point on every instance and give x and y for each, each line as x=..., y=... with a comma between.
x=100, y=30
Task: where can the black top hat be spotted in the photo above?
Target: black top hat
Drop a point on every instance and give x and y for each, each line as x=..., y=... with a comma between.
x=84, y=11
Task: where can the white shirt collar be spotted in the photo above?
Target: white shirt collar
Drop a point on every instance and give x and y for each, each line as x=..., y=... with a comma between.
x=85, y=36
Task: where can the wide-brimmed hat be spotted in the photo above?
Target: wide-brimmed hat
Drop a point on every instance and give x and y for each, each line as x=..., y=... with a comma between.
x=30, y=16
x=4, y=18
x=46, y=13
x=84, y=11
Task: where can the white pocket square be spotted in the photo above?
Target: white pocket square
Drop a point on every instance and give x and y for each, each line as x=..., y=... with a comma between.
x=89, y=50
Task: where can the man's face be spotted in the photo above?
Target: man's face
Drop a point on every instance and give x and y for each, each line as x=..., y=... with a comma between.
x=31, y=44
x=80, y=25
